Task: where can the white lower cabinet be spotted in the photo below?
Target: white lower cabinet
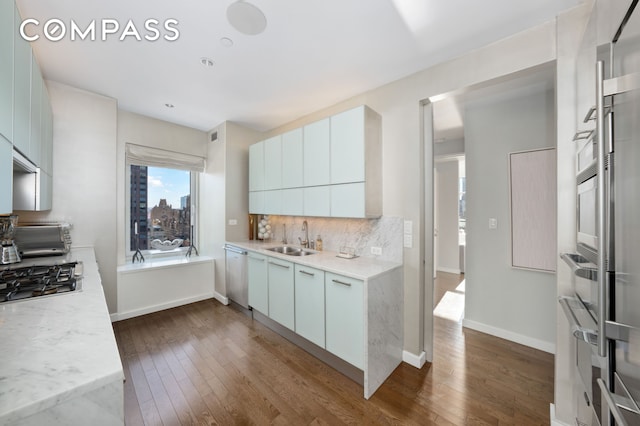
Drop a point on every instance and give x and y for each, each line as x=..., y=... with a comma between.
x=281, y=292
x=345, y=318
x=309, y=305
x=258, y=282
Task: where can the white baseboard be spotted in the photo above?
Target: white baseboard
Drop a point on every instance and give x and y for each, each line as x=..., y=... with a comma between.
x=449, y=270
x=156, y=308
x=220, y=298
x=415, y=360
x=552, y=416
x=511, y=336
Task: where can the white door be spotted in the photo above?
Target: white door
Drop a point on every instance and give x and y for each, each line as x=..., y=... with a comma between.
x=428, y=226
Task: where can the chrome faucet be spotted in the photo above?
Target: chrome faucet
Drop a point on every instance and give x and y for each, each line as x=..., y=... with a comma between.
x=305, y=228
x=284, y=233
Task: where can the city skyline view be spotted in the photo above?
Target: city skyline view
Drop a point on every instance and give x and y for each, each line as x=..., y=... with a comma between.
x=168, y=184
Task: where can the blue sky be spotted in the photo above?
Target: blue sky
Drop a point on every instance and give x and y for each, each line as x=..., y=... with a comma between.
x=166, y=183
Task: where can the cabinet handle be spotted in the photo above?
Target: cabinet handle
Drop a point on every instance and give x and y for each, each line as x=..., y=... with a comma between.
x=307, y=273
x=255, y=258
x=341, y=282
x=277, y=264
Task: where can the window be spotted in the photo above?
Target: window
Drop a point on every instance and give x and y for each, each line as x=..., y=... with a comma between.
x=161, y=199
x=160, y=206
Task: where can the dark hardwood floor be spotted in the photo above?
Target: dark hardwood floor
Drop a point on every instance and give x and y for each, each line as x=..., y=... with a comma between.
x=206, y=363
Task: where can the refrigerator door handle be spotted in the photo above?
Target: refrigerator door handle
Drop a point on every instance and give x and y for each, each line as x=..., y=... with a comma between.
x=601, y=230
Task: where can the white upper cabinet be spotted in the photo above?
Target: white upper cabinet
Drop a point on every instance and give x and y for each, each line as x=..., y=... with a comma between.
x=35, y=134
x=316, y=150
x=21, y=92
x=329, y=168
x=317, y=201
x=256, y=167
x=347, y=146
x=292, y=159
x=348, y=200
x=273, y=163
x=46, y=118
x=6, y=69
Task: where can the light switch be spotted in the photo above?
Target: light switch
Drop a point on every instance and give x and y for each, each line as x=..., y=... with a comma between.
x=493, y=223
x=408, y=241
x=408, y=227
x=233, y=222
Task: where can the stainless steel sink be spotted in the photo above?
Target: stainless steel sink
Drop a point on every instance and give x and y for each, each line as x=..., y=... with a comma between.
x=290, y=251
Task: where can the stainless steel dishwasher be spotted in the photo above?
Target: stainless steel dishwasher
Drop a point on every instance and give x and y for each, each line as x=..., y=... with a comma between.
x=236, y=275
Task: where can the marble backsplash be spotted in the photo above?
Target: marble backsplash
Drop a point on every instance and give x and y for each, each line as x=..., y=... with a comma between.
x=360, y=234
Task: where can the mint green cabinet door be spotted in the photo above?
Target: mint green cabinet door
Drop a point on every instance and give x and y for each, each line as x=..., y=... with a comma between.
x=256, y=167
x=317, y=201
x=6, y=176
x=309, y=297
x=21, y=91
x=258, y=282
x=316, y=151
x=293, y=202
x=348, y=146
x=292, y=158
x=6, y=69
x=281, y=292
x=35, y=135
x=348, y=200
x=256, y=202
x=46, y=120
x=273, y=163
x=345, y=318
x=273, y=202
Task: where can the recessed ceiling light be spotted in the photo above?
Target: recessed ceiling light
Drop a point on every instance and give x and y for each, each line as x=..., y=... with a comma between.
x=246, y=18
x=226, y=42
x=169, y=105
x=206, y=62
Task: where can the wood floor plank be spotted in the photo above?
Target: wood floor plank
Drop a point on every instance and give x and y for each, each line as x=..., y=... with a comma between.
x=209, y=364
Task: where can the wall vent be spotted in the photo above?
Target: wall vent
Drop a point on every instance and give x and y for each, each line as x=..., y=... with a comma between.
x=213, y=136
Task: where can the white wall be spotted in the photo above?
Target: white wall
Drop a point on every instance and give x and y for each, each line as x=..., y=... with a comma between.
x=448, y=258
x=84, y=175
x=399, y=104
x=517, y=304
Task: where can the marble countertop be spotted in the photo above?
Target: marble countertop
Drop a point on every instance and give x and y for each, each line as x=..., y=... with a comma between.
x=361, y=268
x=55, y=348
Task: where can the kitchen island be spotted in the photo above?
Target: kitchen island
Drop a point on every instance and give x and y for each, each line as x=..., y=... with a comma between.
x=61, y=364
x=346, y=312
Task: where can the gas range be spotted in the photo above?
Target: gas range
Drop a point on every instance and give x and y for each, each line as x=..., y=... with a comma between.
x=25, y=282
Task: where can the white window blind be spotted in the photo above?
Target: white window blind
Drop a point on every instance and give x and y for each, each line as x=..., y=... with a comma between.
x=156, y=157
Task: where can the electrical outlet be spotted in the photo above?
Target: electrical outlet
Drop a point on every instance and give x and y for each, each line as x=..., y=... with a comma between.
x=233, y=222
x=376, y=250
x=493, y=223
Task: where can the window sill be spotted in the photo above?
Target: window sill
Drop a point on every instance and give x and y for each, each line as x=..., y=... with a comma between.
x=152, y=262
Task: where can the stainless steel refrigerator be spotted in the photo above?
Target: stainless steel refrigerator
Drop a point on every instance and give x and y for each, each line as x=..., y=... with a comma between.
x=622, y=93
x=605, y=308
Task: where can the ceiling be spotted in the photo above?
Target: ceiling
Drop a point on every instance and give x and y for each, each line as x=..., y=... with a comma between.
x=313, y=53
